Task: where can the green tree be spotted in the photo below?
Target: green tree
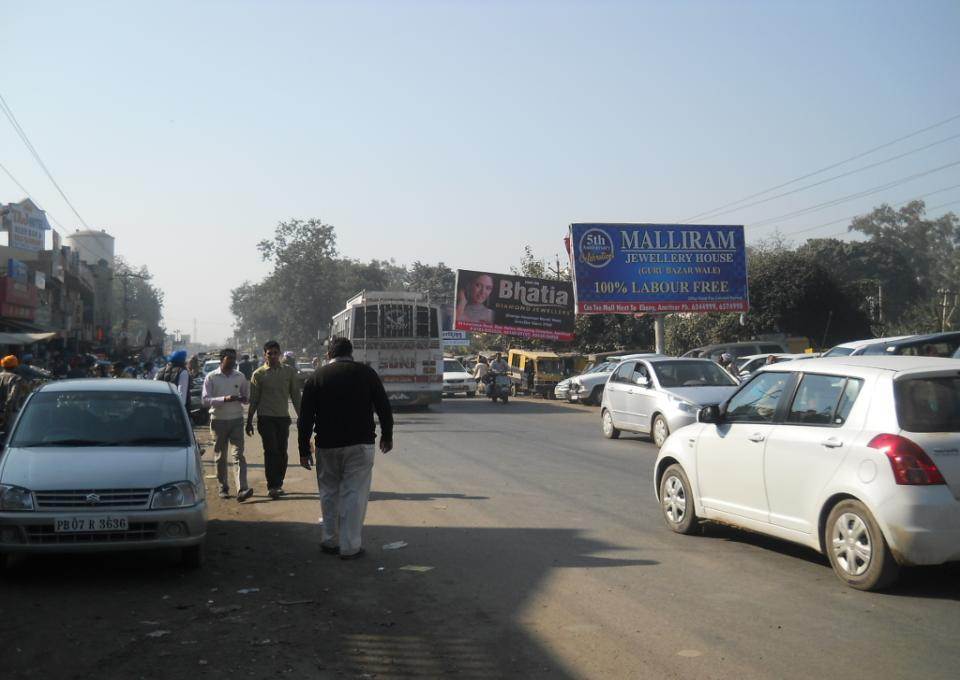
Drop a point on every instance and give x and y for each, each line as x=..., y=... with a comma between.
x=137, y=308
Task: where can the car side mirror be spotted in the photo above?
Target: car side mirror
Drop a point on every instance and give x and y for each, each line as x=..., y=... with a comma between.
x=709, y=414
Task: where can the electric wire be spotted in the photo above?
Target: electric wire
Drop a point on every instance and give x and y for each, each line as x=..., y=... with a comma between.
x=933, y=207
x=24, y=190
x=824, y=169
x=26, y=140
x=852, y=197
x=835, y=177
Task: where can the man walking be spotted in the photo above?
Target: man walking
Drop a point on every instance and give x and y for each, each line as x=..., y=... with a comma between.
x=225, y=390
x=176, y=372
x=338, y=404
x=245, y=366
x=13, y=391
x=270, y=387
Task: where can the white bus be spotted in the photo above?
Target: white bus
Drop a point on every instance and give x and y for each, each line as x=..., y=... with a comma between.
x=398, y=334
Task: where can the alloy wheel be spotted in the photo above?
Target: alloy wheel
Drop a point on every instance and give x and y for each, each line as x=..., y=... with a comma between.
x=674, y=500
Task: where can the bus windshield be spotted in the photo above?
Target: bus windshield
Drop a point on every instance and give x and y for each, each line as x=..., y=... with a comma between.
x=395, y=320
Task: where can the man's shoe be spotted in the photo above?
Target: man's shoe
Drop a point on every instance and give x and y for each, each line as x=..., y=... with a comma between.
x=224, y=493
x=280, y=492
x=330, y=549
x=244, y=494
x=353, y=556
x=273, y=493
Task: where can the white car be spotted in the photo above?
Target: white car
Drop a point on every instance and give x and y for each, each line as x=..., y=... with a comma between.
x=856, y=347
x=747, y=366
x=457, y=380
x=102, y=465
x=855, y=457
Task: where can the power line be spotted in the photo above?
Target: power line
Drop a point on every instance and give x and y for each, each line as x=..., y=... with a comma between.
x=850, y=217
x=26, y=140
x=825, y=168
x=841, y=175
x=851, y=197
x=933, y=207
x=24, y=190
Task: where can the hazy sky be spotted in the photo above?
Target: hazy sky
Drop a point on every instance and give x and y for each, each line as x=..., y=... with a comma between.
x=459, y=131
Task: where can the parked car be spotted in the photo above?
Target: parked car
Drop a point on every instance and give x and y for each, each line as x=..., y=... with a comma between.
x=457, y=380
x=747, y=366
x=95, y=465
x=658, y=395
x=737, y=349
x=210, y=366
x=856, y=347
x=932, y=345
x=588, y=387
x=562, y=390
x=856, y=458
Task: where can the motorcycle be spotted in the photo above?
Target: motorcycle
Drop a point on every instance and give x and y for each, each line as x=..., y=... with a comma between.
x=498, y=386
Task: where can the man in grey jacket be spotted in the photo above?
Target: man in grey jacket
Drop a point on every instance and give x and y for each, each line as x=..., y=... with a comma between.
x=225, y=390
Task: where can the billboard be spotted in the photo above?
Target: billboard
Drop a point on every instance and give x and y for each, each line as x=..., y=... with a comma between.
x=626, y=268
x=26, y=224
x=455, y=338
x=514, y=305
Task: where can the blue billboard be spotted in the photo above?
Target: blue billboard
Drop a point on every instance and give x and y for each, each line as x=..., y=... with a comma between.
x=627, y=268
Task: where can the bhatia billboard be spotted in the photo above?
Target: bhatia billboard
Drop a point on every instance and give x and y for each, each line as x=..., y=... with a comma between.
x=514, y=305
x=624, y=268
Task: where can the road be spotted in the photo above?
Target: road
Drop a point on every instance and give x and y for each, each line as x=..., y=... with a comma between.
x=536, y=548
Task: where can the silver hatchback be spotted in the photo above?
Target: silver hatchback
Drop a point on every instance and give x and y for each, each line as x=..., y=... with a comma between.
x=97, y=465
x=657, y=395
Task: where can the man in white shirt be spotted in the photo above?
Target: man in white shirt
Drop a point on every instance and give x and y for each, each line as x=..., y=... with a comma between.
x=225, y=391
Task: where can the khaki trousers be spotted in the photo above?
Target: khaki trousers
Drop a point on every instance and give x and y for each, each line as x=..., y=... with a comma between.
x=225, y=433
x=343, y=478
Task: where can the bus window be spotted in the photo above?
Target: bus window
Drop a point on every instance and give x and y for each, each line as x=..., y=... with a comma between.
x=434, y=323
x=371, y=321
x=423, y=322
x=397, y=321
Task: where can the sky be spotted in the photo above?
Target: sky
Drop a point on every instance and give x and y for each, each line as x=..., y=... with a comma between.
x=462, y=131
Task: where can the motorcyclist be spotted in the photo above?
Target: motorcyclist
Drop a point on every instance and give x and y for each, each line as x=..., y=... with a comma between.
x=498, y=365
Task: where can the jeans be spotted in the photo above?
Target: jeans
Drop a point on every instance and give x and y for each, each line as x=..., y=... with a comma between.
x=225, y=433
x=274, y=432
x=343, y=478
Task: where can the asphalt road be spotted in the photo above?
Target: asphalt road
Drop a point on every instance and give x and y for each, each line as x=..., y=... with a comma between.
x=535, y=548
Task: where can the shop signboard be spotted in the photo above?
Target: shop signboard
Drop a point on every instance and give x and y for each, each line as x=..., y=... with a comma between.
x=26, y=225
x=454, y=338
x=514, y=305
x=630, y=268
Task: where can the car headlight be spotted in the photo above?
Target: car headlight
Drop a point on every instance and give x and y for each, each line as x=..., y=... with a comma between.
x=15, y=498
x=179, y=495
x=683, y=405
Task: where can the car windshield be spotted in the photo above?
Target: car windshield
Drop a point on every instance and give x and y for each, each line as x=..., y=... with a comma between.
x=929, y=404
x=839, y=352
x=211, y=366
x=691, y=374
x=601, y=367
x=450, y=366
x=101, y=418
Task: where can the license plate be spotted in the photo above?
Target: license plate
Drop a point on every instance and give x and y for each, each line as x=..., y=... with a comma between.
x=90, y=523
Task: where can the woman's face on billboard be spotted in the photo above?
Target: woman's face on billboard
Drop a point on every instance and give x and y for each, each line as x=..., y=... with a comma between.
x=480, y=289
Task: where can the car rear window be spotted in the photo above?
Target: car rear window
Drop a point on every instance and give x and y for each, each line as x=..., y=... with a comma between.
x=928, y=404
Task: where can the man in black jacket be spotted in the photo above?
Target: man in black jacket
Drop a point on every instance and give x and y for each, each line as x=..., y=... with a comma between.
x=338, y=404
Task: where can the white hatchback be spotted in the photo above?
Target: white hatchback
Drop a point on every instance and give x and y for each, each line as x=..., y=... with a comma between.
x=855, y=457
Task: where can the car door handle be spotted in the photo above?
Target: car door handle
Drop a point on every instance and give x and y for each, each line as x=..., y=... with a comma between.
x=832, y=443
x=756, y=437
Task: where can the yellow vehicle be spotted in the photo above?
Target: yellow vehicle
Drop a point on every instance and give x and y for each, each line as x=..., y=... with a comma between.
x=535, y=372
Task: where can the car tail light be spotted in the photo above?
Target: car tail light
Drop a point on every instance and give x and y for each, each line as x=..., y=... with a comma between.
x=911, y=465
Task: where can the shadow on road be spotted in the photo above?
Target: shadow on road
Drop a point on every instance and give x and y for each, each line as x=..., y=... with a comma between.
x=395, y=496
x=268, y=600
x=514, y=407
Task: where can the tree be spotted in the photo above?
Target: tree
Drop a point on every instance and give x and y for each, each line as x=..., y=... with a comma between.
x=137, y=308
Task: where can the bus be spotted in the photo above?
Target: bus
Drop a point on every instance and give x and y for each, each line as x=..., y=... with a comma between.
x=398, y=335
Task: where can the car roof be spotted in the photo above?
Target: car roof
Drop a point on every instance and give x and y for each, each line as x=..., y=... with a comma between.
x=642, y=355
x=891, y=364
x=108, y=385
x=857, y=344
x=660, y=358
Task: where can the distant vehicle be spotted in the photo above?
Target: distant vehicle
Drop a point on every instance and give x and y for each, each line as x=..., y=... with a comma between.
x=398, y=335
x=546, y=367
x=210, y=366
x=457, y=380
x=855, y=458
x=305, y=366
x=588, y=387
x=856, y=347
x=658, y=395
x=933, y=345
x=747, y=366
x=94, y=465
x=737, y=349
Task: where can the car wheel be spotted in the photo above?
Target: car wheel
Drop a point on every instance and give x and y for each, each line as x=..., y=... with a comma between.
x=471, y=394
x=858, y=552
x=660, y=431
x=192, y=557
x=676, y=502
x=609, y=431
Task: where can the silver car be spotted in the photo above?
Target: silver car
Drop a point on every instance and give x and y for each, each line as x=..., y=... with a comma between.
x=657, y=395
x=97, y=465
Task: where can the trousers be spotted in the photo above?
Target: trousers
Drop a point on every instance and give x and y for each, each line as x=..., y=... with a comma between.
x=343, y=479
x=274, y=432
x=225, y=433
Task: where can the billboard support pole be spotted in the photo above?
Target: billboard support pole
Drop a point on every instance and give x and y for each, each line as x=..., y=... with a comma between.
x=659, y=334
